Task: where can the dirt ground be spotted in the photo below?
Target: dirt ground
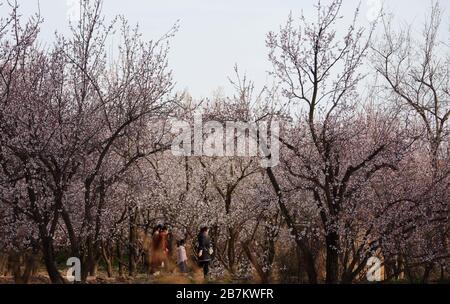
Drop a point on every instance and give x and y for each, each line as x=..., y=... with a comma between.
x=102, y=278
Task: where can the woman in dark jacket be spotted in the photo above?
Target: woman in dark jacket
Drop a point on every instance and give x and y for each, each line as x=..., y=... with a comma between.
x=204, y=247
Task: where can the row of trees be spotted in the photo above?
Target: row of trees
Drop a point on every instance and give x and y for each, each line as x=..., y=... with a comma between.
x=86, y=168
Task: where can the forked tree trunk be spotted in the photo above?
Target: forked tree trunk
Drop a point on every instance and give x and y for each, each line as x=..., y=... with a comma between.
x=49, y=261
x=303, y=247
x=107, y=257
x=22, y=267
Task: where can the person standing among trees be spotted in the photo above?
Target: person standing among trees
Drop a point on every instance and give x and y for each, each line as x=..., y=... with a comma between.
x=181, y=256
x=156, y=257
x=170, y=241
x=204, y=250
x=164, y=247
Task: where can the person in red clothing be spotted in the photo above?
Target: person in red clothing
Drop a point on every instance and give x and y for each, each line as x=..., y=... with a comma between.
x=156, y=254
x=164, y=246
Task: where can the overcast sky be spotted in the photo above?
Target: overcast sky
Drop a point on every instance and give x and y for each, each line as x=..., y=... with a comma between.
x=217, y=34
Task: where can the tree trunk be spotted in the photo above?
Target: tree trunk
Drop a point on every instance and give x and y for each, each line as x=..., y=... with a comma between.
x=120, y=259
x=132, y=244
x=309, y=262
x=332, y=259
x=15, y=261
x=94, y=268
x=231, y=252
x=263, y=275
x=107, y=257
x=307, y=255
x=49, y=260
x=88, y=262
x=427, y=272
x=3, y=265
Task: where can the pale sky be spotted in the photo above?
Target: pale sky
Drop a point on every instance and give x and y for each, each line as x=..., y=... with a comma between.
x=215, y=35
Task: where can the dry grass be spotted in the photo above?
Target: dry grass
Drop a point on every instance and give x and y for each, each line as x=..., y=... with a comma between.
x=194, y=277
